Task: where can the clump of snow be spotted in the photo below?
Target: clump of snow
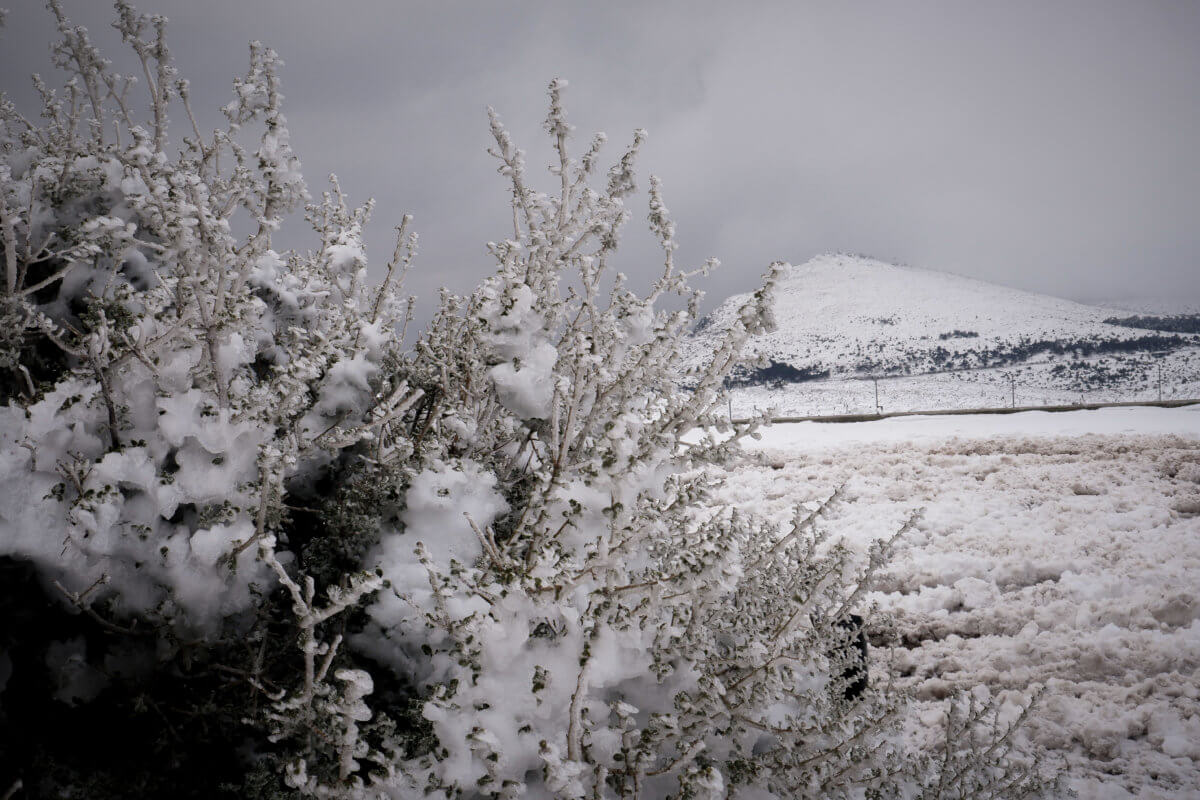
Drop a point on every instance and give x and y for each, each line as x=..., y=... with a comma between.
x=442, y=501
x=515, y=333
x=526, y=385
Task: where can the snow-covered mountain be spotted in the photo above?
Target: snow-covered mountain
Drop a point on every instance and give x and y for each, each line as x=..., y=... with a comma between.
x=845, y=318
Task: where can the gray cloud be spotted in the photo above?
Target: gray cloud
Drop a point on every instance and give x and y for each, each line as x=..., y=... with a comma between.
x=1048, y=146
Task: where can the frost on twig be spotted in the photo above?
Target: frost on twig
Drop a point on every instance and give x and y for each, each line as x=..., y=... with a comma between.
x=325, y=717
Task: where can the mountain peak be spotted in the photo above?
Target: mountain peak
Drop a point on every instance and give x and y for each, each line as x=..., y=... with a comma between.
x=850, y=315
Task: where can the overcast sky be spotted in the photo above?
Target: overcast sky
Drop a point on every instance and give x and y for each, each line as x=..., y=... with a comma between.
x=1050, y=146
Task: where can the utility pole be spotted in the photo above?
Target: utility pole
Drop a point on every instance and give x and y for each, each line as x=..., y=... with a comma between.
x=878, y=408
x=1158, y=356
x=1012, y=382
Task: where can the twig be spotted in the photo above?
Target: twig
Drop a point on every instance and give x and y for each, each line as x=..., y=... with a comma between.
x=487, y=541
x=77, y=598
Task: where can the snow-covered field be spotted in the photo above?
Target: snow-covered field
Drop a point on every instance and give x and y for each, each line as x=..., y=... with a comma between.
x=1057, y=552
x=1032, y=384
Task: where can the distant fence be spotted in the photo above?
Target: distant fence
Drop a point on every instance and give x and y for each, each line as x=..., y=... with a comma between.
x=1012, y=385
x=961, y=411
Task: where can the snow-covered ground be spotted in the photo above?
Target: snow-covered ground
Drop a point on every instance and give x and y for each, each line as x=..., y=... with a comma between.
x=805, y=437
x=1057, y=552
x=1031, y=384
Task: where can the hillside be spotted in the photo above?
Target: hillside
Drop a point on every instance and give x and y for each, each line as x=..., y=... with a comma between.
x=943, y=340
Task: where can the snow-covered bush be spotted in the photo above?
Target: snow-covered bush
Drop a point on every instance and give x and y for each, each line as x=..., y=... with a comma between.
x=487, y=565
x=169, y=381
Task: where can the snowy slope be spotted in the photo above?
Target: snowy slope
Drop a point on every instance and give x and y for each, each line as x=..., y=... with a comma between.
x=841, y=312
x=1066, y=564
x=846, y=318
x=800, y=437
